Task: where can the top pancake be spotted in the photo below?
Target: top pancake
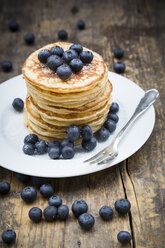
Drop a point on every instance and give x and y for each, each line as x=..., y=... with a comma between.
x=40, y=75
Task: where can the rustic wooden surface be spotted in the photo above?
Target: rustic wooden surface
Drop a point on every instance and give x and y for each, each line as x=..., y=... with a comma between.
x=139, y=28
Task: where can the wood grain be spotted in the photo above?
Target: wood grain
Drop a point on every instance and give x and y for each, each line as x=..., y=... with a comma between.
x=138, y=27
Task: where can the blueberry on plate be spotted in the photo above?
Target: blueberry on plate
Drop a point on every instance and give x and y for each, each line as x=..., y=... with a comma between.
x=28, y=149
x=86, y=57
x=44, y=55
x=76, y=65
x=29, y=194
x=54, y=152
x=13, y=26
x=118, y=53
x=31, y=138
x=57, y=50
x=86, y=132
x=55, y=201
x=124, y=237
x=67, y=142
x=8, y=236
x=73, y=133
x=41, y=147
x=29, y=38
x=114, y=108
x=110, y=125
x=106, y=212
x=119, y=67
x=53, y=143
x=79, y=207
x=89, y=144
x=64, y=72
x=46, y=190
x=113, y=117
x=22, y=178
x=50, y=213
x=102, y=134
x=63, y=212
x=81, y=25
x=70, y=54
x=35, y=214
x=53, y=62
x=86, y=221
x=62, y=35
x=122, y=206
x=4, y=188
x=67, y=152
x=18, y=104
x=6, y=66
x=39, y=181
x=77, y=47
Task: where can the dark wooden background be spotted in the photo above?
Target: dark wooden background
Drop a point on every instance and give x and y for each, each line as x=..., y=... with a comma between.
x=139, y=28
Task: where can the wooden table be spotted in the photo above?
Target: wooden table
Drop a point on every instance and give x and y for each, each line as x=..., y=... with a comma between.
x=138, y=27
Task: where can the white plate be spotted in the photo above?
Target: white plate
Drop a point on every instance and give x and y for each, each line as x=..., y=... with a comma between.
x=13, y=131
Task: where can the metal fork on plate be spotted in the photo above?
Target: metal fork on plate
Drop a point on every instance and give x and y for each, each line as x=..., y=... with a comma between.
x=111, y=151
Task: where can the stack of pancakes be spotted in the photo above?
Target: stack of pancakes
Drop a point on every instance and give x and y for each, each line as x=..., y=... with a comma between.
x=53, y=104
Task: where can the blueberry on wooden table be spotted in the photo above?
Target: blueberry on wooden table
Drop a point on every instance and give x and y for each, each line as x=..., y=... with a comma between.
x=119, y=67
x=18, y=104
x=70, y=54
x=9, y=236
x=35, y=214
x=29, y=38
x=73, y=133
x=50, y=213
x=53, y=62
x=63, y=212
x=28, y=149
x=44, y=55
x=86, y=132
x=76, y=65
x=29, y=194
x=13, y=26
x=118, y=53
x=106, y=212
x=62, y=35
x=41, y=147
x=64, y=72
x=86, y=221
x=114, y=108
x=74, y=10
x=54, y=152
x=124, y=237
x=57, y=50
x=31, y=138
x=110, y=125
x=122, y=206
x=113, y=117
x=46, y=190
x=67, y=152
x=4, y=188
x=79, y=207
x=77, y=47
x=67, y=142
x=22, y=178
x=39, y=181
x=81, y=25
x=55, y=201
x=102, y=134
x=86, y=56
x=6, y=66
x=89, y=144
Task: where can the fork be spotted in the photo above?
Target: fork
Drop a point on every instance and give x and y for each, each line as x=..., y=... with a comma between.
x=111, y=151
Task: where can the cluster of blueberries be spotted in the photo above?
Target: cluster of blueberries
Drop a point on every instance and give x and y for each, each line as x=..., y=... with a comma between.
x=119, y=66
x=64, y=63
x=56, y=209
x=55, y=149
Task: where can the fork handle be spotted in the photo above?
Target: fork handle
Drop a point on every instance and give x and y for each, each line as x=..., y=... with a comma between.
x=146, y=101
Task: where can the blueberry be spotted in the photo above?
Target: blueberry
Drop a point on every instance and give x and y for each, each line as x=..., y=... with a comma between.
x=9, y=236
x=28, y=149
x=55, y=201
x=44, y=55
x=86, y=56
x=13, y=26
x=53, y=62
x=29, y=38
x=53, y=143
x=18, y=104
x=79, y=207
x=124, y=237
x=63, y=212
x=86, y=221
x=22, y=178
x=106, y=212
x=64, y=72
x=29, y=194
x=119, y=67
x=118, y=53
x=31, y=138
x=4, y=188
x=57, y=50
x=39, y=181
x=114, y=108
x=89, y=145
x=67, y=152
x=73, y=133
x=122, y=206
x=102, y=134
x=74, y=10
x=6, y=66
x=46, y=190
x=76, y=65
x=70, y=54
x=86, y=132
x=67, y=142
x=35, y=214
x=54, y=152
x=81, y=25
x=50, y=213
x=41, y=147
x=62, y=35
x=77, y=47
x=110, y=125
x=113, y=117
